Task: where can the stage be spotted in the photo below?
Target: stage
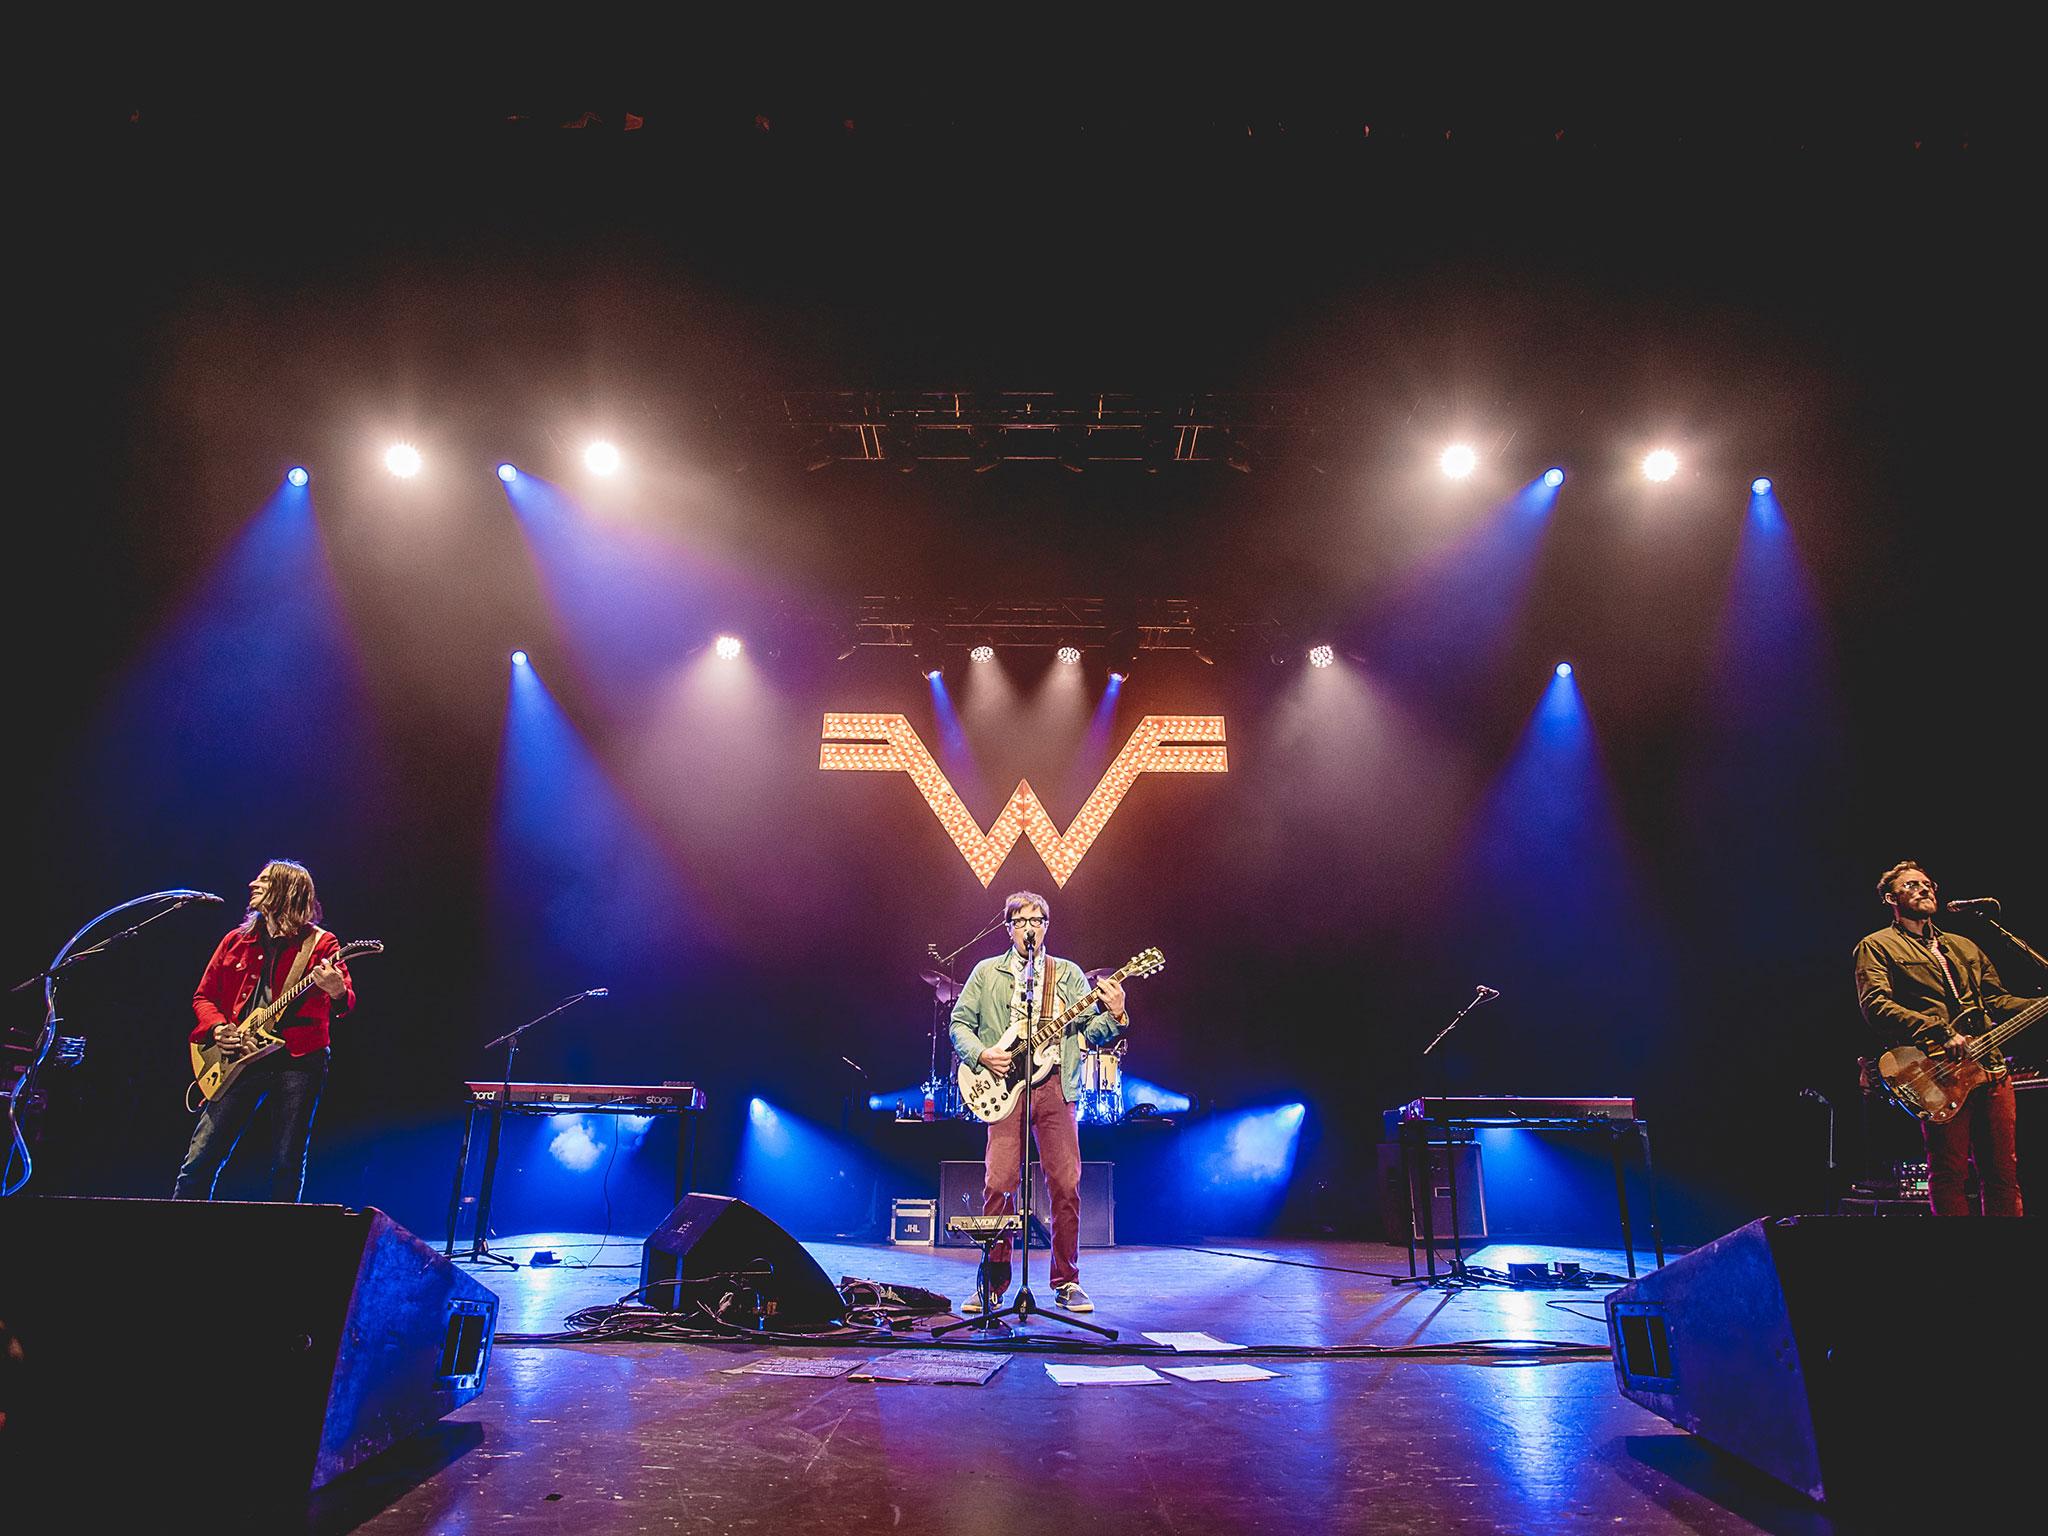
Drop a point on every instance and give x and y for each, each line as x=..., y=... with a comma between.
x=655, y=1437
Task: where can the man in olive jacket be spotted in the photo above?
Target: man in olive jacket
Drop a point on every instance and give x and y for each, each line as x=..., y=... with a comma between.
x=1011, y=988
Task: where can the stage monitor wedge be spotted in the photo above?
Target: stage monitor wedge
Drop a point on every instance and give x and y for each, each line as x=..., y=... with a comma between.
x=1868, y=1362
x=224, y=1351
x=717, y=1252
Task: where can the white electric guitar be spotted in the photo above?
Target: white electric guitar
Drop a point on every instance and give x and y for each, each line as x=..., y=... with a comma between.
x=214, y=1067
x=990, y=1096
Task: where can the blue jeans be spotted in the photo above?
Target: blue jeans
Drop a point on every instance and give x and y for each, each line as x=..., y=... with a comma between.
x=287, y=1090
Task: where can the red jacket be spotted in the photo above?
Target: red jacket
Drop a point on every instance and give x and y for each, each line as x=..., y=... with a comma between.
x=230, y=981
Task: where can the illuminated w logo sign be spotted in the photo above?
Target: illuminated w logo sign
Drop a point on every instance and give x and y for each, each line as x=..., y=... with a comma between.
x=888, y=744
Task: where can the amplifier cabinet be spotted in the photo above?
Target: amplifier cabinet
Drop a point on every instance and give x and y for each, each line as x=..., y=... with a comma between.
x=960, y=1191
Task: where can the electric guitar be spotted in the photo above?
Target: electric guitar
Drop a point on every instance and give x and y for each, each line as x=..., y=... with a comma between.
x=1934, y=1087
x=991, y=1096
x=215, y=1067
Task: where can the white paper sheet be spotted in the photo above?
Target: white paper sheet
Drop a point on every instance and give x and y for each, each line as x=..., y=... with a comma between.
x=1231, y=1372
x=1104, y=1375
x=1191, y=1341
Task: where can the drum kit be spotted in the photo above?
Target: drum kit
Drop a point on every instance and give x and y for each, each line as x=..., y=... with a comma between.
x=1102, y=1085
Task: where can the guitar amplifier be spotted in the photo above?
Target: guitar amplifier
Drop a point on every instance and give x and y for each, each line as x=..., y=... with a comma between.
x=960, y=1191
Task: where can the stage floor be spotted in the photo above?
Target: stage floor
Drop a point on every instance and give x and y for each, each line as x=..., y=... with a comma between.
x=632, y=1437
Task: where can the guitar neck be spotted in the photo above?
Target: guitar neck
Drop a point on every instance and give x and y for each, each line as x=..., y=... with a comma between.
x=1053, y=1028
x=1994, y=1038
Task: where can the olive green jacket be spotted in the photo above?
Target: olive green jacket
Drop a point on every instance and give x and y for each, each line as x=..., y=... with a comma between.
x=983, y=1013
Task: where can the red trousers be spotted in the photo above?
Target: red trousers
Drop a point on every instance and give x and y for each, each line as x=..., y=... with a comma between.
x=1984, y=1127
x=1059, y=1152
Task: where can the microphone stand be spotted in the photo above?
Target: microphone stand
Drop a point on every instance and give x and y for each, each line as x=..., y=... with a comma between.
x=933, y=1083
x=479, y=1239
x=1456, y=1272
x=2016, y=941
x=70, y=1049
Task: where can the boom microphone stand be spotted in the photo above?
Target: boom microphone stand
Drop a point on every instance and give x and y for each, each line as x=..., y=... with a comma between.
x=1481, y=994
x=479, y=1241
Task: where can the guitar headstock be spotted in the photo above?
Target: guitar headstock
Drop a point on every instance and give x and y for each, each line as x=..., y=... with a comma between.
x=1145, y=962
x=363, y=947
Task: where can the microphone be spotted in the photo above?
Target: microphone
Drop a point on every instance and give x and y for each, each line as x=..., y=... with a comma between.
x=1485, y=992
x=599, y=992
x=1975, y=904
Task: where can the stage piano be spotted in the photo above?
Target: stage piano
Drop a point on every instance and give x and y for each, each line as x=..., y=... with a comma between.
x=1435, y=1120
x=499, y=1099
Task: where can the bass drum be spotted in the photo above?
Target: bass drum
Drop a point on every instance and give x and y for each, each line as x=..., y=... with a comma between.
x=1102, y=1088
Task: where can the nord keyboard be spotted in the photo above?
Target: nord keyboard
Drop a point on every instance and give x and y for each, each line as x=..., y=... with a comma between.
x=1511, y=1109
x=643, y=1098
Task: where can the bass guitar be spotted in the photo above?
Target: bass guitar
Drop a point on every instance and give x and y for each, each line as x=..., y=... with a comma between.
x=1934, y=1087
x=989, y=1096
x=215, y=1067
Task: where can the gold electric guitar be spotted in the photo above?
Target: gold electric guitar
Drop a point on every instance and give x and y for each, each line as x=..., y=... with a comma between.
x=1934, y=1087
x=989, y=1097
x=215, y=1067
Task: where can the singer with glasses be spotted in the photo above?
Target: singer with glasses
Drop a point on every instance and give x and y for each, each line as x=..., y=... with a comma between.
x=278, y=943
x=1918, y=984
x=1008, y=989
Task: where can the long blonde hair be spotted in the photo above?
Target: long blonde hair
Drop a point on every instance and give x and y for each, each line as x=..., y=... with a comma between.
x=289, y=900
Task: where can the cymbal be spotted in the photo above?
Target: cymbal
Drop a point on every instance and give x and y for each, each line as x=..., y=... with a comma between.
x=944, y=987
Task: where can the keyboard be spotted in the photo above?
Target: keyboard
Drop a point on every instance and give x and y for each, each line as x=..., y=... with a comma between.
x=1509, y=1109
x=642, y=1098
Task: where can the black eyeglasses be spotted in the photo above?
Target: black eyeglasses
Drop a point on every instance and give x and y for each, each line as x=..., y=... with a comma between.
x=1028, y=922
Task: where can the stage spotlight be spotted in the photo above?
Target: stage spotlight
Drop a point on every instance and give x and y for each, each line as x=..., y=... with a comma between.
x=1553, y=477
x=728, y=647
x=1321, y=656
x=1760, y=486
x=1118, y=679
x=519, y=658
x=601, y=459
x=1661, y=465
x=1564, y=669
x=1069, y=656
x=508, y=473
x=931, y=674
x=1458, y=461
x=983, y=653
x=403, y=460
x=297, y=474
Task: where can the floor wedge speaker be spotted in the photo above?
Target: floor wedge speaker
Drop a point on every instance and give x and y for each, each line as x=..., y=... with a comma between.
x=716, y=1252
x=1867, y=1363
x=223, y=1353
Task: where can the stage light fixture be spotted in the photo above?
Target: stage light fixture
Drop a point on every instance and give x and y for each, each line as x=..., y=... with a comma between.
x=297, y=474
x=519, y=658
x=508, y=473
x=1069, y=656
x=1322, y=656
x=403, y=460
x=1118, y=679
x=982, y=653
x=931, y=674
x=728, y=647
x=1458, y=461
x=1564, y=669
x=601, y=458
x=1760, y=486
x=1661, y=465
x=1553, y=477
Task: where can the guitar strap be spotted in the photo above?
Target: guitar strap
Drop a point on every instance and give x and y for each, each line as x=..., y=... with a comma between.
x=298, y=970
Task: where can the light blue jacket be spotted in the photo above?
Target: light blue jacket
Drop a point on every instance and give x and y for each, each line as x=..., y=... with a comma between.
x=983, y=1013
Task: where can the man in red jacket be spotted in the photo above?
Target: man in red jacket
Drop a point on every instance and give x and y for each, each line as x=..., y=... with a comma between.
x=252, y=965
